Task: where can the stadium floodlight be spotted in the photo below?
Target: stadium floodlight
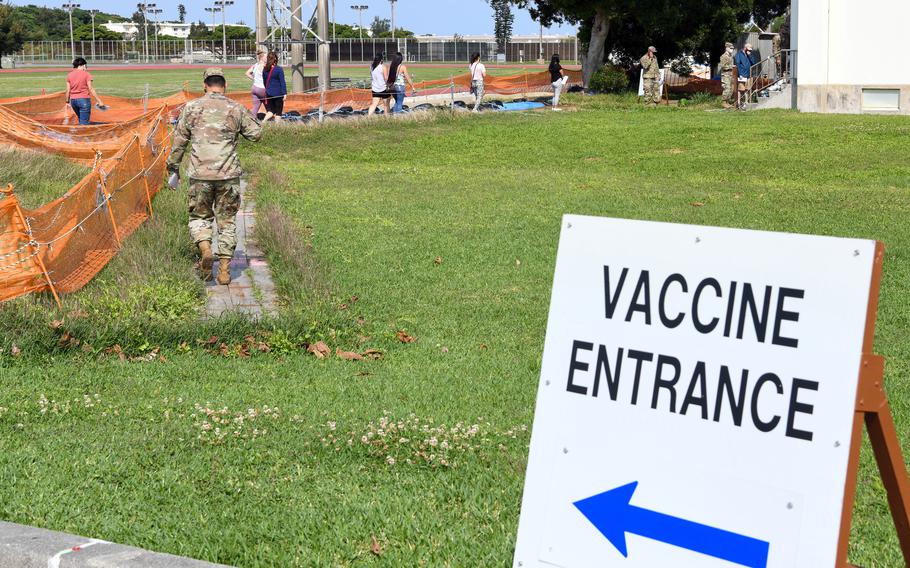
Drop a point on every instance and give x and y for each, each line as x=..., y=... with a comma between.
x=144, y=10
x=154, y=12
x=69, y=7
x=222, y=5
x=360, y=8
x=392, y=2
x=93, y=12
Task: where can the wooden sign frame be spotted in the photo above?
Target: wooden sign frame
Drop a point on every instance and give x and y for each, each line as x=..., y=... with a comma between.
x=872, y=409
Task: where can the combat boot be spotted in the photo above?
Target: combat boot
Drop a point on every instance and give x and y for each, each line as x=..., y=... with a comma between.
x=224, y=271
x=206, y=259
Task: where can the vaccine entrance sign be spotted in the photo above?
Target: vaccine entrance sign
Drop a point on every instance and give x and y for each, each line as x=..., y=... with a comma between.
x=697, y=398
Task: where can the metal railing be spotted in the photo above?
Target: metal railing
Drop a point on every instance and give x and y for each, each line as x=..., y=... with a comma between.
x=342, y=50
x=769, y=74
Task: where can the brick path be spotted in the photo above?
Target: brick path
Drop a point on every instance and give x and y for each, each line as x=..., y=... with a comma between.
x=251, y=290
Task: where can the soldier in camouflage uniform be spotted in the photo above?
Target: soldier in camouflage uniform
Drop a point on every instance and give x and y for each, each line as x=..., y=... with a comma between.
x=651, y=76
x=213, y=124
x=726, y=74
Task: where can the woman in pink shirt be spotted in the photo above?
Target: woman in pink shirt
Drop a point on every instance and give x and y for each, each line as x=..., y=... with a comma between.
x=79, y=91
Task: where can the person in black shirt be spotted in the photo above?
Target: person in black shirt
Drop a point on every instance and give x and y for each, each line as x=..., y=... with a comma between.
x=557, y=75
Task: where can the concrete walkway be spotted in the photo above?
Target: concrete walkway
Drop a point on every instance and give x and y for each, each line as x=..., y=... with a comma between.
x=29, y=547
x=251, y=291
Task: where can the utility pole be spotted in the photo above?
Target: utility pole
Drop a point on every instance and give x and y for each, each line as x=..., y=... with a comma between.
x=296, y=47
x=93, y=12
x=334, y=17
x=360, y=8
x=69, y=8
x=262, y=24
x=323, y=51
x=223, y=4
x=155, y=12
x=392, y=2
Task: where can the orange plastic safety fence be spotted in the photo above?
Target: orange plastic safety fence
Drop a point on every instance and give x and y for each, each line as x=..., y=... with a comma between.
x=75, y=236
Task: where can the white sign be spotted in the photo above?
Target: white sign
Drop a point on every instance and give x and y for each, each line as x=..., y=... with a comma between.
x=696, y=398
x=641, y=83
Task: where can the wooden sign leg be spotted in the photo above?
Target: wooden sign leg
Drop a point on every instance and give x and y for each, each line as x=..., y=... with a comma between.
x=872, y=409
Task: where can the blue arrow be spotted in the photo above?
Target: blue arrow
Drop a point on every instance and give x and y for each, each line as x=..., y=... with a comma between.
x=613, y=515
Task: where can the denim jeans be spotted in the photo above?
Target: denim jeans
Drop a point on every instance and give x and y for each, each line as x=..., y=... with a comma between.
x=399, y=98
x=83, y=109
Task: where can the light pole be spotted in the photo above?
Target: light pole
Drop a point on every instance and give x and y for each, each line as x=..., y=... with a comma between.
x=223, y=4
x=155, y=12
x=144, y=10
x=69, y=8
x=213, y=11
x=360, y=8
x=93, y=12
x=392, y=2
x=333, y=20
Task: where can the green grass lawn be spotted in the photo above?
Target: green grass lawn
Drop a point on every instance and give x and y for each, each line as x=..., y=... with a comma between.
x=446, y=229
x=130, y=83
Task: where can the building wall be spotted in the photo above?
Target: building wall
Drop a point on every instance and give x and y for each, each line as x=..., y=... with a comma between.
x=846, y=46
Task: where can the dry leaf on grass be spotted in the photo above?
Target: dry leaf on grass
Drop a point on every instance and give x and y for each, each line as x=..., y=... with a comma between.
x=319, y=349
x=437, y=261
x=224, y=350
x=697, y=204
x=212, y=341
x=373, y=353
x=343, y=307
x=403, y=337
x=375, y=547
x=67, y=340
x=348, y=355
x=354, y=298
x=56, y=324
x=483, y=345
x=15, y=351
x=361, y=321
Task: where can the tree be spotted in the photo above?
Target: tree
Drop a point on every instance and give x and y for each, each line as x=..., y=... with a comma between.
x=181, y=13
x=12, y=34
x=503, y=19
x=624, y=28
x=380, y=26
x=84, y=33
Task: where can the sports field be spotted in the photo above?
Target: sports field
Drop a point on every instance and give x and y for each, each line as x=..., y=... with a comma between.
x=443, y=229
x=132, y=83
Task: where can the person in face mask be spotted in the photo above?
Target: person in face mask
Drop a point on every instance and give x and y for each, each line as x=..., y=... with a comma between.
x=727, y=65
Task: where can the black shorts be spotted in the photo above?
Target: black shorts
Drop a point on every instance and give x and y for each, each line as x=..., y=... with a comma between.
x=275, y=105
x=383, y=95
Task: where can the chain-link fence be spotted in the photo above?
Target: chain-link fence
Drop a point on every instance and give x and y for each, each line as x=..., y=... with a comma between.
x=343, y=51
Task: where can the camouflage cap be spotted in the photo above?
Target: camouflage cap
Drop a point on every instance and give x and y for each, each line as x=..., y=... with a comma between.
x=652, y=48
x=212, y=72
x=729, y=45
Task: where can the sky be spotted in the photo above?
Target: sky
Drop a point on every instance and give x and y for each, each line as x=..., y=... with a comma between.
x=440, y=17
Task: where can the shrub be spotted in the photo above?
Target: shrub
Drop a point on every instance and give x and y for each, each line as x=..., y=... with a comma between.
x=681, y=67
x=609, y=79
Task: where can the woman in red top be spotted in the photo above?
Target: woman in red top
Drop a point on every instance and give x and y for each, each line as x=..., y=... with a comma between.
x=79, y=91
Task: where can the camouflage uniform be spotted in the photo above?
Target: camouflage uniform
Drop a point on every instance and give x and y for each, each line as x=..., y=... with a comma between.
x=726, y=76
x=651, y=79
x=213, y=124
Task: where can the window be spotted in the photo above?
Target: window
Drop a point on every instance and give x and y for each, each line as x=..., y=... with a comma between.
x=882, y=99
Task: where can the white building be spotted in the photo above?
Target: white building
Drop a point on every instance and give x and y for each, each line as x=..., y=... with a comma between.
x=850, y=55
x=175, y=29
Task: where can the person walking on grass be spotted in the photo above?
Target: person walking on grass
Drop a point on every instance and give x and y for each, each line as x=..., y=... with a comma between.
x=379, y=79
x=80, y=92
x=650, y=76
x=213, y=124
x=401, y=77
x=478, y=77
x=276, y=90
x=727, y=79
x=254, y=74
x=557, y=74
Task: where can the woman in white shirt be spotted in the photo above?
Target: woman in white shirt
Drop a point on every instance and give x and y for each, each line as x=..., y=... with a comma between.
x=254, y=74
x=478, y=74
x=379, y=78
